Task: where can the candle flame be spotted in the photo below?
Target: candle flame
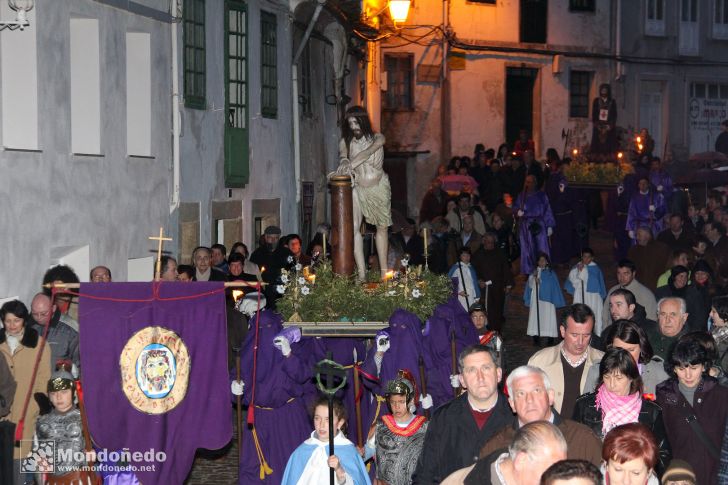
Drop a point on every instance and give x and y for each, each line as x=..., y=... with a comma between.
x=575, y=151
x=639, y=139
x=389, y=274
x=237, y=294
x=620, y=155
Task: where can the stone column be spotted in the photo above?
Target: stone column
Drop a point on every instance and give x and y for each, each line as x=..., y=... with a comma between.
x=342, y=225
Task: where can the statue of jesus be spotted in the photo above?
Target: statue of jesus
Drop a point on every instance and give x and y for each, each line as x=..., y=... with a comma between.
x=361, y=153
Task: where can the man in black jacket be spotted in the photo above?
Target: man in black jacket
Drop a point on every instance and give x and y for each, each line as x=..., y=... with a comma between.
x=460, y=428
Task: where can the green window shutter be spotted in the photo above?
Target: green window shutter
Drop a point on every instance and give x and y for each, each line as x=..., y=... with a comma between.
x=237, y=167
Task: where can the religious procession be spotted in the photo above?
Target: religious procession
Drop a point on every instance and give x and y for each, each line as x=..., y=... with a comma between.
x=398, y=243
x=388, y=361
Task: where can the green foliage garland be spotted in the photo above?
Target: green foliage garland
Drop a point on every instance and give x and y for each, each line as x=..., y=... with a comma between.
x=333, y=297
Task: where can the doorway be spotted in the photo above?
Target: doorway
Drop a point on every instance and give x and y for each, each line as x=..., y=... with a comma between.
x=520, y=82
x=651, y=112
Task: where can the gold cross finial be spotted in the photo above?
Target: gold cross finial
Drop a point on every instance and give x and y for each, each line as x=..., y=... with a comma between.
x=160, y=239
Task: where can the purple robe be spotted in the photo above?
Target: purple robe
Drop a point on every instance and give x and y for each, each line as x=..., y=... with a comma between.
x=446, y=318
x=406, y=347
x=639, y=214
x=537, y=215
x=562, y=204
x=616, y=219
x=342, y=351
x=281, y=418
x=662, y=178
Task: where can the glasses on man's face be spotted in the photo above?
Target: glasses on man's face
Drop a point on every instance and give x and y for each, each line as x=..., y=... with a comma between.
x=100, y=277
x=40, y=315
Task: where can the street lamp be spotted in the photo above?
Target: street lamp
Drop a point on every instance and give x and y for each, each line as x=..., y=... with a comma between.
x=21, y=7
x=398, y=10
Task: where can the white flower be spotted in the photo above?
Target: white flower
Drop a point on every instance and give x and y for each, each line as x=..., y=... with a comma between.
x=305, y=290
x=281, y=289
x=416, y=293
x=290, y=259
x=284, y=278
x=391, y=293
x=405, y=262
x=301, y=280
x=298, y=266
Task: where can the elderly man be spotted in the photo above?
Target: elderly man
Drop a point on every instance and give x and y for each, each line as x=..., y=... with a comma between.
x=62, y=338
x=671, y=318
x=467, y=238
x=202, y=259
x=717, y=253
x=460, y=428
x=675, y=236
x=100, y=274
x=626, y=274
x=567, y=364
x=168, y=269
x=456, y=218
x=535, y=447
x=531, y=397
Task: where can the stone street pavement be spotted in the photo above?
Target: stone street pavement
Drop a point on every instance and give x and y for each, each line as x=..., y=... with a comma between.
x=221, y=467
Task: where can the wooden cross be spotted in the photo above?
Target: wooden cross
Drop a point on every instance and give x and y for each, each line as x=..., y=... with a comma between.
x=160, y=239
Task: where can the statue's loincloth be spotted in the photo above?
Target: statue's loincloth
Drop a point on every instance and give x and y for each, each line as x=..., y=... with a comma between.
x=376, y=202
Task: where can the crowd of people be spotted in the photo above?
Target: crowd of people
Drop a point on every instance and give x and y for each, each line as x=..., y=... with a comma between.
x=629, y=387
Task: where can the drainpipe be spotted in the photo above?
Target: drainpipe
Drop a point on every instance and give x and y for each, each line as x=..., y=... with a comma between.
x=294, y=96
x=619, y=41
x=175, y=112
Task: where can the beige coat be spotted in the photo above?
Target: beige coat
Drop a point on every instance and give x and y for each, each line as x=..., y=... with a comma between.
x=21, y=365
x=549, y=359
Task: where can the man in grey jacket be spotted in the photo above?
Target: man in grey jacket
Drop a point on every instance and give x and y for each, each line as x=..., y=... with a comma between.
x=62, y=338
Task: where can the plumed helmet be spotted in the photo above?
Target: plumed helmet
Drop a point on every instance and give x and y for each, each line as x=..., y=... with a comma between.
x=60, y=381
x=403, y=384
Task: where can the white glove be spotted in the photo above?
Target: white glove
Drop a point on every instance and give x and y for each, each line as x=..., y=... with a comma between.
x=237, y=387
x=652, y=208
x=382, y=344
x=454, y=381
x=520, y=213
x=631, y=234
x=660, y=188
x=426, y=401
x=549, y=231
x=282, y=344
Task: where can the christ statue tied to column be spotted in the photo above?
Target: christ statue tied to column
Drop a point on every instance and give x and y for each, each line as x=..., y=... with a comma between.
x=361, y=153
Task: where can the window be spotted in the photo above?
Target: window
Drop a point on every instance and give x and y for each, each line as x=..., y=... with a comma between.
x=708, y=91
x=85, y=87
x=689, y=36
x=579, y=84
x=138, y=94
x=655, y=18
x=534, y=15
x=19, y=84
x=581, y=5
x=304, y=81
x=237, y=169
x=491, y=2
x=194, y=53
x=399, y=82
x=720, y=19
x=268, y=71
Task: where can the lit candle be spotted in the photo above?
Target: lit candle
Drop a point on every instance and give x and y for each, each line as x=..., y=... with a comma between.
x=237, y=294
x=619, y=155
x=639, y=139
x=575, y=152
x=425, y=240
x=324, y=249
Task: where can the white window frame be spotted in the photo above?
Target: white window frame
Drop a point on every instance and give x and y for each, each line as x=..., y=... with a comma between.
x=654, y=26
x=720, y=28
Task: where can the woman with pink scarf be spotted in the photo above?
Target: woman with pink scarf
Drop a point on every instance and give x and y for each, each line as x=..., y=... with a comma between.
x=618, y=400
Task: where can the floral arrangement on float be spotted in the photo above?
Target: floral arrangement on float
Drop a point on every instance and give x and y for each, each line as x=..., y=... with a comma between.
x=585, y=171
x=316, y=294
